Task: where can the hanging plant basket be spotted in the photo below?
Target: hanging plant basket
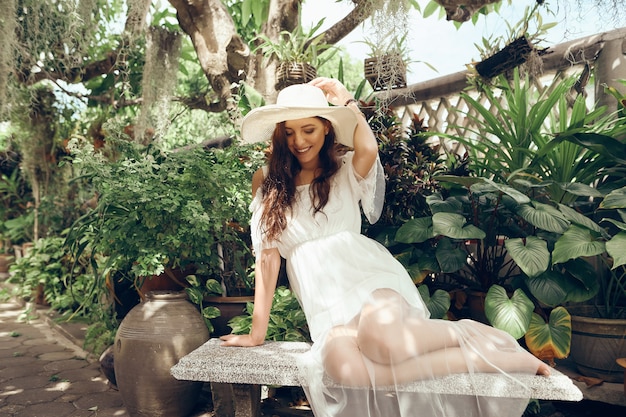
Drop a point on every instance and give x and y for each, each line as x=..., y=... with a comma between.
x=289, y=73
x=462, y=10
x=385, y=72
x=513, y=55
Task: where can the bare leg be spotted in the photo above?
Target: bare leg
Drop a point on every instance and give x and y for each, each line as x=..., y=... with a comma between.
x=389, y=331
x=345, y=363
x=395, y=344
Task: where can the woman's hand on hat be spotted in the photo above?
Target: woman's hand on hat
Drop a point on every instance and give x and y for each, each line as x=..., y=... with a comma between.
x=336, y=93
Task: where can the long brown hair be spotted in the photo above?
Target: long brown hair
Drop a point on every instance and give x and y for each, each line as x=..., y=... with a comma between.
x=279, y=186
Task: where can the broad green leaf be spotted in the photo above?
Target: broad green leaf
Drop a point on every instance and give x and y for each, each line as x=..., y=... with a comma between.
x=450, y=257
x=616, y=199
x=405, y=257
x=415, y=230
x=195, y=295
x=213, y=286
x=579, y=189
x=603, y=144
x=449, y=205
x=576, y=242
x=431, y=8
x=530, y=254
x=438, y=304
x=580, y=219
x=416, y=273
x=581, y=280
x=454, y=226
x=616, y=247
x=464, y=181
x=549, y=288
x=544, y=217
x=492, y=186
x=246, y=11
x=618, y=224
x=550, y=340
x=511, y=315
x=211, y=312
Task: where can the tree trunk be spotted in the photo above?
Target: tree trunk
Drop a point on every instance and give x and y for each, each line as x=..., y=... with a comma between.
x=222, y=54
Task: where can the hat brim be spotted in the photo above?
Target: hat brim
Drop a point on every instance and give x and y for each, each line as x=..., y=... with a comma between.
x=259, y=124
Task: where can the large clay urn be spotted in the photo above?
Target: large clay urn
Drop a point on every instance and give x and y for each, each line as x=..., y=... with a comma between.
x=151, y=339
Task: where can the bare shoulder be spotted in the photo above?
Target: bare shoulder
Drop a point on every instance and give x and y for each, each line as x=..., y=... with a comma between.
x=257, y=180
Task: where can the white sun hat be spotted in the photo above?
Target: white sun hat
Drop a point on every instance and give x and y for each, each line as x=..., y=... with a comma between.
x=298, y=101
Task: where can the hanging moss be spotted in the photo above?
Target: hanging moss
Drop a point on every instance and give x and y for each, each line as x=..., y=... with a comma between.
x=136, y=17
x=7, y=48
x=386, y=68
x=158, y=83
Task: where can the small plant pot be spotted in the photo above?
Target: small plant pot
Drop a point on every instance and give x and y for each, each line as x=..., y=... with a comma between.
x=290, y=73
x=5, y=263
x=597, y=343
x=229, y=307
x=385, y=72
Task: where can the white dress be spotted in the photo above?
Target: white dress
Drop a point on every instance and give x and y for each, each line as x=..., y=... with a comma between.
x=333, y=269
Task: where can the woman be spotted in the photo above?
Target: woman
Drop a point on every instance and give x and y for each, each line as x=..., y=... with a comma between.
x=369, y=326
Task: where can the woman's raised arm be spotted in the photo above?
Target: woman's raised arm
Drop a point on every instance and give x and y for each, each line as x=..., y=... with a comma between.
x=365, y=145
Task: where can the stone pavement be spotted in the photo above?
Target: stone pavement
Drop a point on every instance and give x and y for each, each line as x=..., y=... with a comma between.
x=43, y=374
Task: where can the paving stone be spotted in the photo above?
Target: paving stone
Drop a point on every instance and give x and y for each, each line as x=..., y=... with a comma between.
x=34, y=396
x=48, y=410
x=86, y=413
x=16, y=361
x=66, y=365
x=88, y=386
x=24, y=331
x=10, y=409
x=21, y=371
x=83, y=374
x=37, y=341
x=113, y=412
x=26, y=382
x=7, y=344
x=109, y=399
x=38, y=350
x=57, y=356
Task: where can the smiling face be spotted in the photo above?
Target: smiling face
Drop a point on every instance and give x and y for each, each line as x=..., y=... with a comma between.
x=305, y=139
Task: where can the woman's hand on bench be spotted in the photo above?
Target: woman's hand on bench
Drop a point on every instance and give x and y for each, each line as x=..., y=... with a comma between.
x=244, y=340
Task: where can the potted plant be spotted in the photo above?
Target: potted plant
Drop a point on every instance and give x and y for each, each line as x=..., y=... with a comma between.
x=386, y=64
x=553, y=214
x=593, y=255
x=163, y=213
x=299, y=54
x=16, y=214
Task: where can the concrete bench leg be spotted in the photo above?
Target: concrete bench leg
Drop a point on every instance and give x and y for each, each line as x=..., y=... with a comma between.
x=236, y=400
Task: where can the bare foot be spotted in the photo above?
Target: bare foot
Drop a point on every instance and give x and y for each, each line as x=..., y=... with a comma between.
x=493, y=354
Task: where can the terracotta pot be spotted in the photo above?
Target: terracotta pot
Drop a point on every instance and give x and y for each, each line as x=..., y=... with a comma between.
x=597, y=343
x=151, y=339
x=5, y=263
x=170, y=280
x=229, y=307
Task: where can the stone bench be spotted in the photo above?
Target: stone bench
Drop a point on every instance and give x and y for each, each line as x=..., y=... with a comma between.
x=236, y=375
